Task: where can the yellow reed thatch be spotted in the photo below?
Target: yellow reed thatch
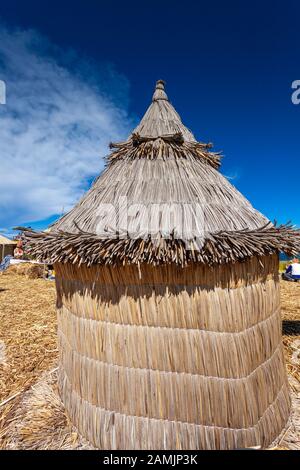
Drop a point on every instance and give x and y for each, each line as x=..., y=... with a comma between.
x=30, y=270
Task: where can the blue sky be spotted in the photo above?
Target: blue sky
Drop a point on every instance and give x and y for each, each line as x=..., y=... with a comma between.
x=80, y=74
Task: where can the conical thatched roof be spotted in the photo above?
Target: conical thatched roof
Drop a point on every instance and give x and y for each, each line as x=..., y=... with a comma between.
x=161, y=198
x=161, y=119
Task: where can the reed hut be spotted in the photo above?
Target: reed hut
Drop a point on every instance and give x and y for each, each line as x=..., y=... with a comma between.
x=7, y=247
x=169, y=323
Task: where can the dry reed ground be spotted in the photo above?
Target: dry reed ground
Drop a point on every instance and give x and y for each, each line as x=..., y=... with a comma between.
x=34, y=418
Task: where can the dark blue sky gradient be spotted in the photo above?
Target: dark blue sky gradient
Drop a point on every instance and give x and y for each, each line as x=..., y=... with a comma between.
x=228, y=66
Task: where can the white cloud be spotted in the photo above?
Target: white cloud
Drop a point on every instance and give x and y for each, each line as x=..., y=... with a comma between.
x=60, y=114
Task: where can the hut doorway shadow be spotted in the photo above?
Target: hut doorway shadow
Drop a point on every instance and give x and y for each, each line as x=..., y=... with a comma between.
x=291, y=327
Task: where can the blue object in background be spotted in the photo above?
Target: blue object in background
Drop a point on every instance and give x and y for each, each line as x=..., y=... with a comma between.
x=5, y=263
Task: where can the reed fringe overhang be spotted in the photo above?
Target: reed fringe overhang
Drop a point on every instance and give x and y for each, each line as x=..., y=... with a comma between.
x=219, y=248
x=163, y=147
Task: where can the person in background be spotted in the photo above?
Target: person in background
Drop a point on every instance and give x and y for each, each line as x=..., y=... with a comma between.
x=292, y=272
x=50, y=276
x=18, y=251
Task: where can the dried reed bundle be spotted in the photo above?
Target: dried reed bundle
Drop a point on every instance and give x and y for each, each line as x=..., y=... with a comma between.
x=31, y=271
x=152, y=364
x=37, y=421
x=28, y=329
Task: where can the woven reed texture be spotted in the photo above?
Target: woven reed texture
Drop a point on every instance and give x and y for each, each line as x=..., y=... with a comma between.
x=158, y=185
x=161, y=199
x=173, y=358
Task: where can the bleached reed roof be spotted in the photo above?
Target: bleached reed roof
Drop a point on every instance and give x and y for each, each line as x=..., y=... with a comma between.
x=179, y=207
x=6, y=241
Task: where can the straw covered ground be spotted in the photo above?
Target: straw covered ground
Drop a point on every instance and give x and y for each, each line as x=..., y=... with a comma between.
x=31, y=413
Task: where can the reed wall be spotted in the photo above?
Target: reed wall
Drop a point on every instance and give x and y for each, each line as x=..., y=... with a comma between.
x=173, y=358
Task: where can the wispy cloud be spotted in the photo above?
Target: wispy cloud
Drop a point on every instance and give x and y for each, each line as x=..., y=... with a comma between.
x=60, y=114
x=234, y=175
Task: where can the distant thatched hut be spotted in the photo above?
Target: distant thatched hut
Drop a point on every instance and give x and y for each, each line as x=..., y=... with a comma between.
x=168, y=300
x=7, y=247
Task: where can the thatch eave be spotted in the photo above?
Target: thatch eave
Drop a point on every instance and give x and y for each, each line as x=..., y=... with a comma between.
x=218, y=248
x=163, y=147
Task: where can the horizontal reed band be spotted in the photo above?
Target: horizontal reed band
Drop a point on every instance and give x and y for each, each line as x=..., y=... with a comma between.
x=111, y=430
x=162, y=358
x=194, y=351
x=158, y=394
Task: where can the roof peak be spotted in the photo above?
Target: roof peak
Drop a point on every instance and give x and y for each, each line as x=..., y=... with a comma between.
x=161, y=119
x=159, y=92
